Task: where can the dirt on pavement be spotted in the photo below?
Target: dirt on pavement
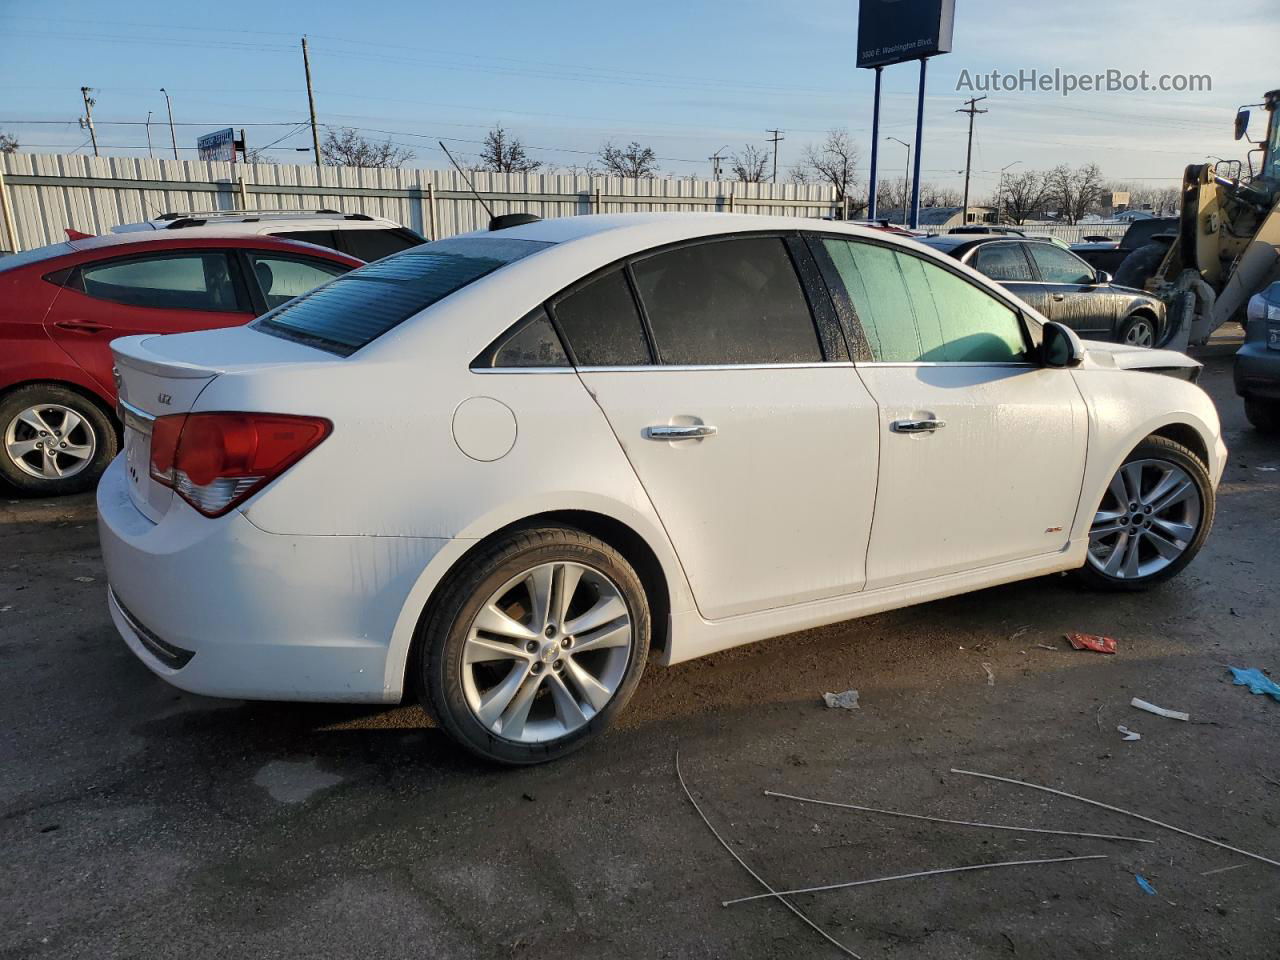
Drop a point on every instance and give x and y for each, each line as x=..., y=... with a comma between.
x=139, y=821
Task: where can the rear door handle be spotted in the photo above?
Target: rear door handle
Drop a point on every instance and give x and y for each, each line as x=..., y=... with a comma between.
x=81, y=326
x=917, y=426
x=695, y=431
x=1059, y=296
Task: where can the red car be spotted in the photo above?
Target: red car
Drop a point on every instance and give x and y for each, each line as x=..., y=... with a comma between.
x=62, y=305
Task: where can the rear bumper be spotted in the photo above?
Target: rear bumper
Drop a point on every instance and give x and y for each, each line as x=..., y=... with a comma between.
x=1257, y=371
x=222, y=608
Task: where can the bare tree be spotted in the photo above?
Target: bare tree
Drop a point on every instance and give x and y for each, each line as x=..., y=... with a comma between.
x=893, y=194
x=932, y=195
x=8, y=143
x=1074, y=192
x=832, y=161
x=749, y=165
x=632, y=160
x=345, y=147
x=1022, y=195
x=503, y=153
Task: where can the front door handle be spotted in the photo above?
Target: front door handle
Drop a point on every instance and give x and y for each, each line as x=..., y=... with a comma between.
x=696, y=431
x=1059, y=296
x=917, y=426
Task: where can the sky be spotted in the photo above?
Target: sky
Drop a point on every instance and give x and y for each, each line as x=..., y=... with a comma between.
x=686, y=78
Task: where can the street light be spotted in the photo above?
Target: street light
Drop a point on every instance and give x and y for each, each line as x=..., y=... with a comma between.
x=1000, y=189
x=173, y=137
x=906, y=177
x=149, y=153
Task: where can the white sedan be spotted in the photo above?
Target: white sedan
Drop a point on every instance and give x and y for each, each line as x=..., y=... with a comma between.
x=497, y=471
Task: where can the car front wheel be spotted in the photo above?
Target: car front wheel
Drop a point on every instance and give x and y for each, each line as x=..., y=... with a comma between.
x=1138, y=330
x=536, y=642
x=53, y=441
x=1152, y=520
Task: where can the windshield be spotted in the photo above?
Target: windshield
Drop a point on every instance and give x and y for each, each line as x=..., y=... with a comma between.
x=355, y=309
x=1271, y=161
x=13, y=261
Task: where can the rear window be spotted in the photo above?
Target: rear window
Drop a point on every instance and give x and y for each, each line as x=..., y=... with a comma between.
x=355, y=309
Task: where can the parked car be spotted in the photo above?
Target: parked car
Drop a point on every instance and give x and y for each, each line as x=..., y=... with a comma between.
x=498, y=469
x=1061, y=286
x=62, y=305
x=1257, y=366
x=1108, y=255
x=355, y=234
x=988, y=228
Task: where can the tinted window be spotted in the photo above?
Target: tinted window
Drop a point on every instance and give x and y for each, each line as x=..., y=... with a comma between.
x=534, y=344
x=373, y=245
x=601, y=323
x=732, y=301
x=914, y=311
x=358, y=307
x=1058, y=265
x=1002, y=261
x=173, y=282
x=282, y=278
x=323, y=238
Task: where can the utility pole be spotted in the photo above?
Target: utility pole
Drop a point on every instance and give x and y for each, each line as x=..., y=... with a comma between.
x=715, y=159
x=311, y=103
x=173, y=137
x=87, y=121
x=149, y=151
x=972, y=110
x=777, y=135
x=906, y=178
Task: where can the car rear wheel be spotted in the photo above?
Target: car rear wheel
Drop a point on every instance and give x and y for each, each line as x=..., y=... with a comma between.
x=1263, y=413
x=53, y=441
x=1138, y=330
x=1152, y=520
x=535, y=644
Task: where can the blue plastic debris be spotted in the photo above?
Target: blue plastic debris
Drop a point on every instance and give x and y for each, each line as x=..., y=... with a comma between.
x=1145, y=884
x=1256, y=681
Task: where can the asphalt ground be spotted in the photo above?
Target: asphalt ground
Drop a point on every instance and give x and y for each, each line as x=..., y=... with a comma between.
x=139, y=821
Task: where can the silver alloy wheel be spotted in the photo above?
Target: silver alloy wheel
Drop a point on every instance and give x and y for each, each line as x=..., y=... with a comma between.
x=1146, y=521
x=546, y=652
x=50, y=441
x=1141, y=333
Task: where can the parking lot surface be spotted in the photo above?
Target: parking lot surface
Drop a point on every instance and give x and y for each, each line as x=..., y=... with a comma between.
x=139, y=821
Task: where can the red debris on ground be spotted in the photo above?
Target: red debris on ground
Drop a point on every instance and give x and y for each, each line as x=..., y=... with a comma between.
x=1085, y=641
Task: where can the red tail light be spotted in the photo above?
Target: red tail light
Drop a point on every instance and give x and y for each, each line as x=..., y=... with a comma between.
x=215, y=461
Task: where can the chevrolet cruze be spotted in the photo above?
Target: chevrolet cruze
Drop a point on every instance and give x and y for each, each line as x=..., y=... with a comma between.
x=500, y=471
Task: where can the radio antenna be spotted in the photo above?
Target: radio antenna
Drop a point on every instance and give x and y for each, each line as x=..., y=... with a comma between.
x=465, y=177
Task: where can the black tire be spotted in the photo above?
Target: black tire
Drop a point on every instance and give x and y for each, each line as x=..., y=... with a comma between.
x=1136, y=325
x=97, y=428
x=444, y=633
x=1263, y=413
x=1160, y=448
x=1137, y=267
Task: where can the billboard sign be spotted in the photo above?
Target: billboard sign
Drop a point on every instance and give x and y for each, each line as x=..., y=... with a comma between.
x=892, y=31
x=219, y=145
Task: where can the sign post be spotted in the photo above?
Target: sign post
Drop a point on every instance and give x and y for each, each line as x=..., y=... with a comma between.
x=895, y=31
x=219, y=146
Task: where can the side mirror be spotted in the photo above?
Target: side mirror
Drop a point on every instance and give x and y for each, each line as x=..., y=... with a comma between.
x=1102, y=278
x=1060, y=347
x=1242, y=123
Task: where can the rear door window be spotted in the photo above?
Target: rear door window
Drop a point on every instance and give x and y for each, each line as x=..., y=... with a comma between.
x=727, y=302
x=533, y=343
x=1002, y=261
x=601, y=323
x=175, y=281
x=370, y=245
x=355, y=309
x=321, y=238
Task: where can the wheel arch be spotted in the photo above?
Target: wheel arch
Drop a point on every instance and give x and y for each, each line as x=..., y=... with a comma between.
x=1187, y=436
x=83, y=389
x=623, y=537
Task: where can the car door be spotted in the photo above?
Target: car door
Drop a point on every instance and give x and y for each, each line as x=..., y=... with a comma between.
x=170, y=291
x=981, y=449
x=1006, y=262
x=276, y=278
x=1076, y=300
x=745, y=422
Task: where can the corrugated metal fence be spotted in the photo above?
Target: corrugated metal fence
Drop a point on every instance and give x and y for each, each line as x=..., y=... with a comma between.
x=47, y=194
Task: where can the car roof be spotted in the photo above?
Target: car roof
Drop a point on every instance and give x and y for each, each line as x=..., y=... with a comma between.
x=958, y=244
x=122, y=242
x=251, y=221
